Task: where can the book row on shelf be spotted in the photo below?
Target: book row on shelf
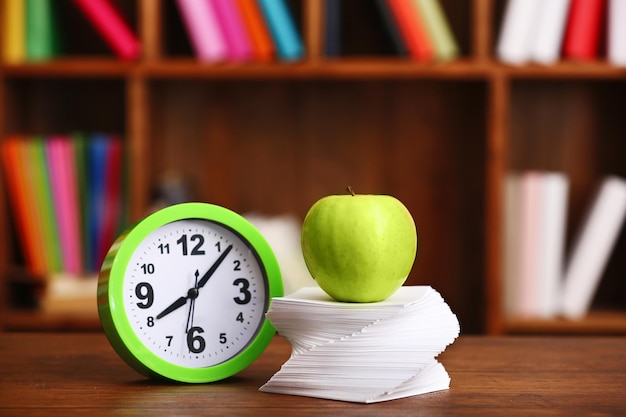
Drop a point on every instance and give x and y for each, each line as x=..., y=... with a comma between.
x=419, y=29
x=541, y=280
x=227, y=30
x=239, y=31
x=269, y=30
x=545, y=31
x=218, y=30
x=33, y=31
x=66, y=195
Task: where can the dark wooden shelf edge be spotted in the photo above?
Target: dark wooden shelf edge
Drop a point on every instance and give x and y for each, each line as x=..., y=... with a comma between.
x=340, y=69
x=70, y=67
x=596, y=322
x=565, y=70
x=344, y=68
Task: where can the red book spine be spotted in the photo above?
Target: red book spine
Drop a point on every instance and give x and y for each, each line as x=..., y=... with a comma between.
x=582, y=37
x=108, y=22
x=413, y=30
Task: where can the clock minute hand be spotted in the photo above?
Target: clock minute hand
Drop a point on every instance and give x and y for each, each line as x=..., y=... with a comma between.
x=213, y=268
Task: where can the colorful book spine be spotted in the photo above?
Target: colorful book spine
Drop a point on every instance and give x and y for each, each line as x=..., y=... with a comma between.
x=114, y=30
x=239, y=47
x=582, y=37
x=413, y=29
x=97, y=154
x=40, y=183
x=19, y=191
x=262, y=46
x=81, y=155
x=42, y=33
x=283, y=29
x=203, y=29
x=445, y=47
x=332, y=28
x=62, y=174
x=13, y=24
x=392, y=28
x=66, y=194
x=112, y=196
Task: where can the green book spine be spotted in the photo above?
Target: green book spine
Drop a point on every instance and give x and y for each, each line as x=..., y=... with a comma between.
x=42, y=35
x=438, y=28
x=43, y=189
x=80, y=146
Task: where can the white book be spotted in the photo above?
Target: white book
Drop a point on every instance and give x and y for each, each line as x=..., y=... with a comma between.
x=550, y=29
x=530, y=248
x=540, y=231
x=517, y=31
x=593, y=246
x=553, y=212
x=617, y=33
x=363, y=352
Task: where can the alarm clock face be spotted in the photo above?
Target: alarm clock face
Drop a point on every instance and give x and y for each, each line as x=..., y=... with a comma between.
x=195, y=293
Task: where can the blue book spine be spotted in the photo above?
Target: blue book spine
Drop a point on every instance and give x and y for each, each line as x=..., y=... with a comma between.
x=283, y=29
x=97, y=149
x=332, y=28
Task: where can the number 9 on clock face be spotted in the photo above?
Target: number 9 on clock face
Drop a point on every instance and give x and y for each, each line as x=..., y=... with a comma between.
x=183, y=294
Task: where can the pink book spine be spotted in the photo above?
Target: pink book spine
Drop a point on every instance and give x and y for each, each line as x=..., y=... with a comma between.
x=60, y=157
x=203, y=29
x=108, y=22
x=233, y=27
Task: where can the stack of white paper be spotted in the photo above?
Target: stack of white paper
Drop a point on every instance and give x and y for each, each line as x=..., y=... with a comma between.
x=363, y=352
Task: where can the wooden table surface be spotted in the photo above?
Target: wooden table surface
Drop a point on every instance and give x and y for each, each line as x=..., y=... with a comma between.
x=68, y=374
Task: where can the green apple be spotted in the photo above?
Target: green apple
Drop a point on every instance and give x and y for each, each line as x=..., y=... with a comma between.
x=359, y=248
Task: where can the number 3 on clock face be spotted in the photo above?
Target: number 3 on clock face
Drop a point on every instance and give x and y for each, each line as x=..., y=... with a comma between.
x=183, y=294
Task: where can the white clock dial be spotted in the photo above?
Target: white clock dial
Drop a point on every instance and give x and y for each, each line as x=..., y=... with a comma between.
x=195, y=294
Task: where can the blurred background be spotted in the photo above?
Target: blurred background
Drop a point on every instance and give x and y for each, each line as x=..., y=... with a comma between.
x=125, y=101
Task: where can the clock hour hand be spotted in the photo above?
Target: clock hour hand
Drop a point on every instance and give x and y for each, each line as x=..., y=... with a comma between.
x=213, y=268
x=172, y=307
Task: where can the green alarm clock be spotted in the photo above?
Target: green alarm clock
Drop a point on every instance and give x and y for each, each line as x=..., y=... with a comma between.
x=182, y=294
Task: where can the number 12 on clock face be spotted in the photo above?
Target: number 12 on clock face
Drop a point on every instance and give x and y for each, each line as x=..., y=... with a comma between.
x=194, y=293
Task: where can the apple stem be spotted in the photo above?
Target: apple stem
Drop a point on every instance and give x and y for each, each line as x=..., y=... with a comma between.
x=350, y=190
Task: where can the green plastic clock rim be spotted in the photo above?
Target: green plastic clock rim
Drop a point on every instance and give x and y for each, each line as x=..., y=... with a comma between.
x=111, y=309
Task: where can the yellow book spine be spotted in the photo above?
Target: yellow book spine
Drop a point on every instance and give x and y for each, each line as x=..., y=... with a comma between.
x=14, y=31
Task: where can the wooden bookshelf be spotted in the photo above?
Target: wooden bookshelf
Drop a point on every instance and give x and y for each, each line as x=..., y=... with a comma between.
x=273, y=138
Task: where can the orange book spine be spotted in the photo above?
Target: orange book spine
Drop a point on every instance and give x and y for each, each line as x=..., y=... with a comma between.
x=263, y=48
x=413, y=30
x=18, y=186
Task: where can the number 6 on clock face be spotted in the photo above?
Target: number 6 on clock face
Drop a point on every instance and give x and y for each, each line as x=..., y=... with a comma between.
x=183, y=294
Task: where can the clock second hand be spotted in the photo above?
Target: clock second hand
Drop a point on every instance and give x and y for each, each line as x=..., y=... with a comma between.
x=193, y=292
x=192, y=296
